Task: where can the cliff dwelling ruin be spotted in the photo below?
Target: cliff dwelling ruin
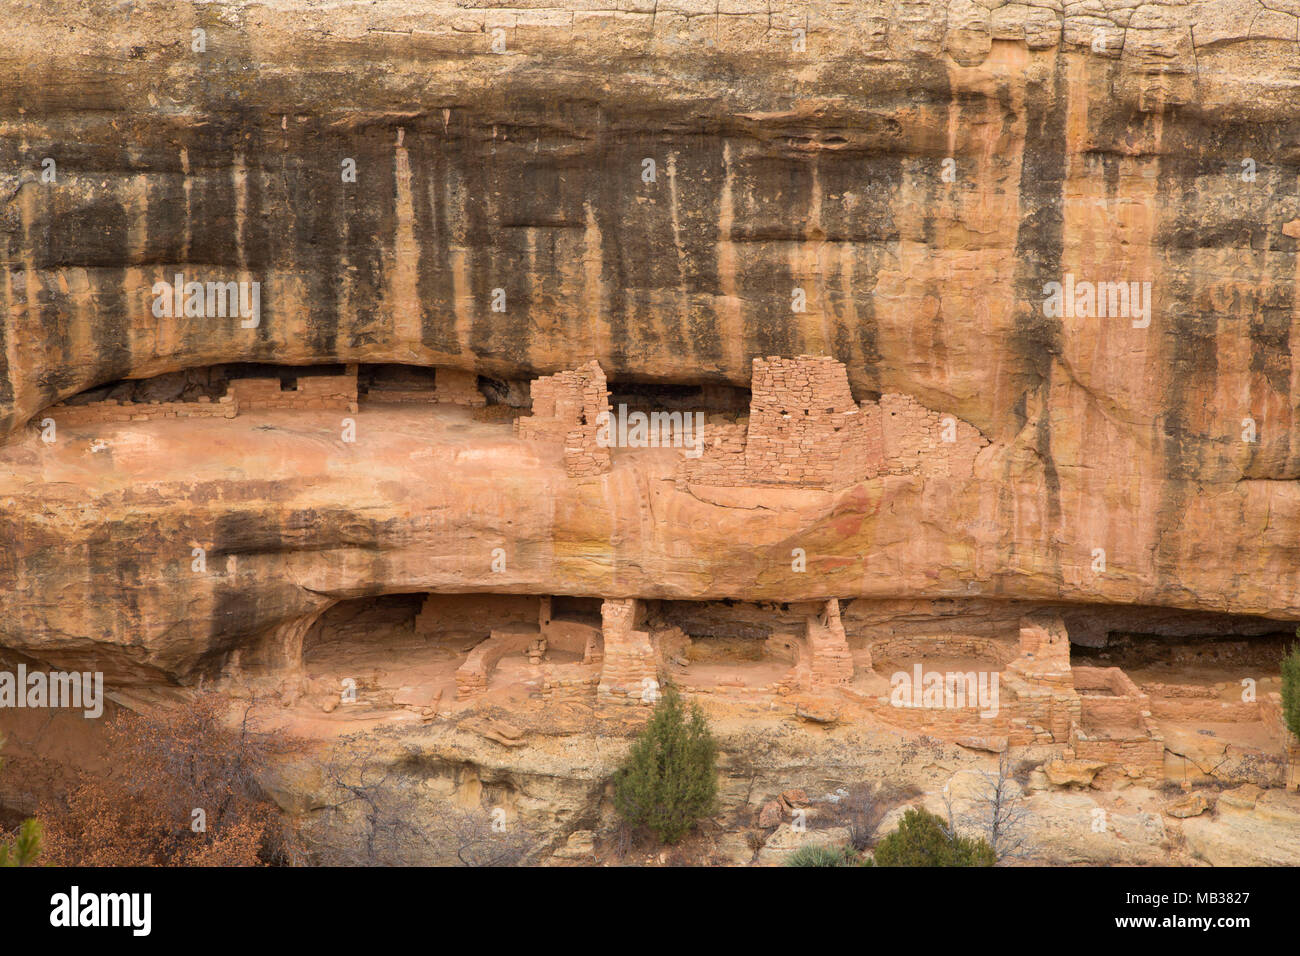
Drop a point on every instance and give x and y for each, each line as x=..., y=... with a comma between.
x=969, y=671
x=909, y=386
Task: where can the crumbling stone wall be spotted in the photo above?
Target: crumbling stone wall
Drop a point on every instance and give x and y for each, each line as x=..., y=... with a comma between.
x=566, y=408
x=1196, y=702
x=827, y=661
x=893, y=651
x=805, y=431
x=916, y=440
x=1109, y=699
x=98, y=413
x=1139, y=755
x=314, y=393
x=1042, y=676
x=473, y=676
x=631, y=662
x=1044, y=658
x=722, y=461
x=821, y=655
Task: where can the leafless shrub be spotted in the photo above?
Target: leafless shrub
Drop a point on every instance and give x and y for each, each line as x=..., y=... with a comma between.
x=476, y=839
x=865, y=806
x=381, y=820
x=999, y=810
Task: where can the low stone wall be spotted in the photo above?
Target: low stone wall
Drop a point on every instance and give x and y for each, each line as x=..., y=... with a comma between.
x=574, y=636
x=473, y=677
x=1109, y=701
x=402, y=396
x=1141, y=755
x=568, y=689
x=314, y=393
x=897, y=651
x=1197, y=702
x=1021, y=721
x=99, y=413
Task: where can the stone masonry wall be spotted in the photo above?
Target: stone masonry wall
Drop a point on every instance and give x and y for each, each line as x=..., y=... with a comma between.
x=804, y=427
x=916, y=440
x=314, y=392
x=566, y=408
x=828, y=661
x=475, y=674
x=723, y=459
x=630, y=658
x=805, y=431
x=98, y=413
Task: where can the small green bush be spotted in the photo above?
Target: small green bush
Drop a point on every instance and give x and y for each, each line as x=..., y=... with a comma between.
x=1291, y=688
x=922, y=840
x=820, y=855
x=23, y=846
x=669, y=780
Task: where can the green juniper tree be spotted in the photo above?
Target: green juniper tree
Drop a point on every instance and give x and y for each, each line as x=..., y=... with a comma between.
x=1291, y=688
x=922, y=840
x=23, y=847
x=669, y=780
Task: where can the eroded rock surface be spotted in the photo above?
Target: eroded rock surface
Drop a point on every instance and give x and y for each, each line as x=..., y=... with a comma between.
x=664, y=193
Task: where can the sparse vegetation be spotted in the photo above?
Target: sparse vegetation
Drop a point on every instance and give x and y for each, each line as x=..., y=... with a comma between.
x=999, y=810
x=23, y=846
x=381, y=818
x=669, y=781
x=1291, y=688
x=182, y=791
x=820, y=855
x=922, y=840
x=862, y=809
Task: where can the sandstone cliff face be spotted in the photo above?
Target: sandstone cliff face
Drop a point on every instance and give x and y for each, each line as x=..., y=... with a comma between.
x=794, y=147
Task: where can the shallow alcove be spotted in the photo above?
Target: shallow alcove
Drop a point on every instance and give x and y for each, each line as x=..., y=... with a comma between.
x=417, y=650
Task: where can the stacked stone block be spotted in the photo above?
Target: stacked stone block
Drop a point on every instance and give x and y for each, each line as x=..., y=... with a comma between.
x=314, y=393
x=915, y=440
x=826, y=660
x=804, y=427
x=631, y=662
x=805, y=431
x=99, y=413
x=473, y=676
x=566, y=408
x=723, y=459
